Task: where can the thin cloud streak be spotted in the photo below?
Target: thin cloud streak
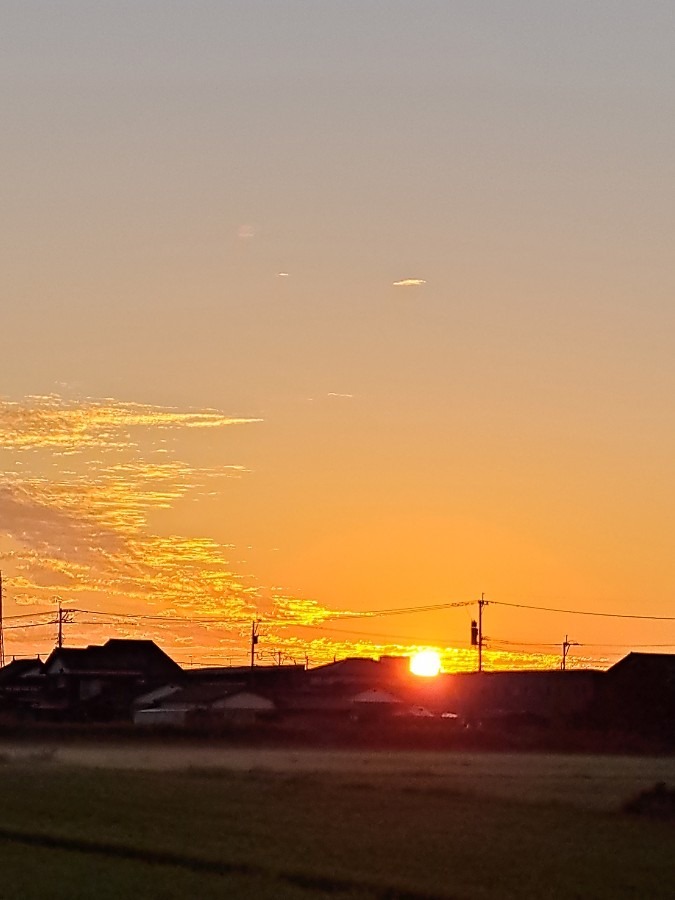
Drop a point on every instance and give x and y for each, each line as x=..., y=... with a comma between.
x=50, y=422
x=88, y=532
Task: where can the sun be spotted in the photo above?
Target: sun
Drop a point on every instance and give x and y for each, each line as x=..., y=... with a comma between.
x=426, y=663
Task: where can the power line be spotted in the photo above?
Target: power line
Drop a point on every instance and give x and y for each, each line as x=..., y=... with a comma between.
x=241, y=620
x=192, y=620
x=521, y=643
x=402, y=610
x=373, y=613
x=366, y=614
x=402, y=637
x=436, y=639
x=584, y=612
x=625, y=646
x=37, y=615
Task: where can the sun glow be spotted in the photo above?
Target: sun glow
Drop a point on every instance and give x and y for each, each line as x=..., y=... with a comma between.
x=426, y=663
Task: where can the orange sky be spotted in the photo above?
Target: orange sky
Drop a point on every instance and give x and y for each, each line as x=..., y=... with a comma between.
x=102, y=509
x=320, y=309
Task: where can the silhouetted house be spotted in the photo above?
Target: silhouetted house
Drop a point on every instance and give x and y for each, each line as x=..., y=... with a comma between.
x=202, y=706
x=375, y=697
x=348, y=677
x=375, y=703
x=269, y=678
x=328, y=692
x=100, y=681
x=154, y=697
x=21, y=685
x=357, y=689
x=354, y=672
x=639, y=694
x=358, y=671
x=541, y=696
x=218, y=695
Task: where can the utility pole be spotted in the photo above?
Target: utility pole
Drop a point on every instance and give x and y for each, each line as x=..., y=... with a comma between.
x=254, y=641
x=566, y=644
x=64, y=618
x=481, y=603
x=2, y=633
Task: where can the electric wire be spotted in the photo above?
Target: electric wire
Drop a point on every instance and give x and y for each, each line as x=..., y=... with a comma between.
x=238, y=622
x=402, y=610
x=582, y=612
x=36, y=615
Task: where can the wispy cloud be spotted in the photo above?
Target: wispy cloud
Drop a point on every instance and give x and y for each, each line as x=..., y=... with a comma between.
x=94, y=535
x=89, y=528
x=301, y=611
x=50, y=422
x=340, y=396
x=409, y=282
x=94, y=532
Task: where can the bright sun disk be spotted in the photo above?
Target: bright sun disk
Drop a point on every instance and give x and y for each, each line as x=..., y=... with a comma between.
x=426, y=663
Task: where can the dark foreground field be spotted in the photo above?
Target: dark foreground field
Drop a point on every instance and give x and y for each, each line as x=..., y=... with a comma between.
x=315, y=825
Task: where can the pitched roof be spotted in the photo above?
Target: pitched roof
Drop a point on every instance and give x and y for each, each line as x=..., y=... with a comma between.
x=20, y=668
x=116, y=656
x=352, y=667
x=207, y=695
x=213, y=673
x=197, y=695
x=144, y=654
x=376, y=696
x=647, y=664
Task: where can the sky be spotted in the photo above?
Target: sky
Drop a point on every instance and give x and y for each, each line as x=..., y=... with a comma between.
x=315, y=310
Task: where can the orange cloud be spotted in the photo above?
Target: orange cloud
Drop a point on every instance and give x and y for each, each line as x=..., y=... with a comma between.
x=93, y=536
x=50, y=422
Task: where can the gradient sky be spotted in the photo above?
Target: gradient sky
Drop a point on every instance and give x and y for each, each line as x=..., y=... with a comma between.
x=206, y=207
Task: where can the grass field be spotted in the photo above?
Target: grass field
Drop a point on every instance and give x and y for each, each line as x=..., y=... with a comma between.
x=165, y=822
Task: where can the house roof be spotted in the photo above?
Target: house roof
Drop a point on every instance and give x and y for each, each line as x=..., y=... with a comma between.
x=116, y=657
x=20, y=668
x=206, y=695
x=155, y=695
x=214, y=673
x=375, y=695
x=646, y=664
x=242, y=673
x=197, y=695
x=352, y=667
x=245, y=700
